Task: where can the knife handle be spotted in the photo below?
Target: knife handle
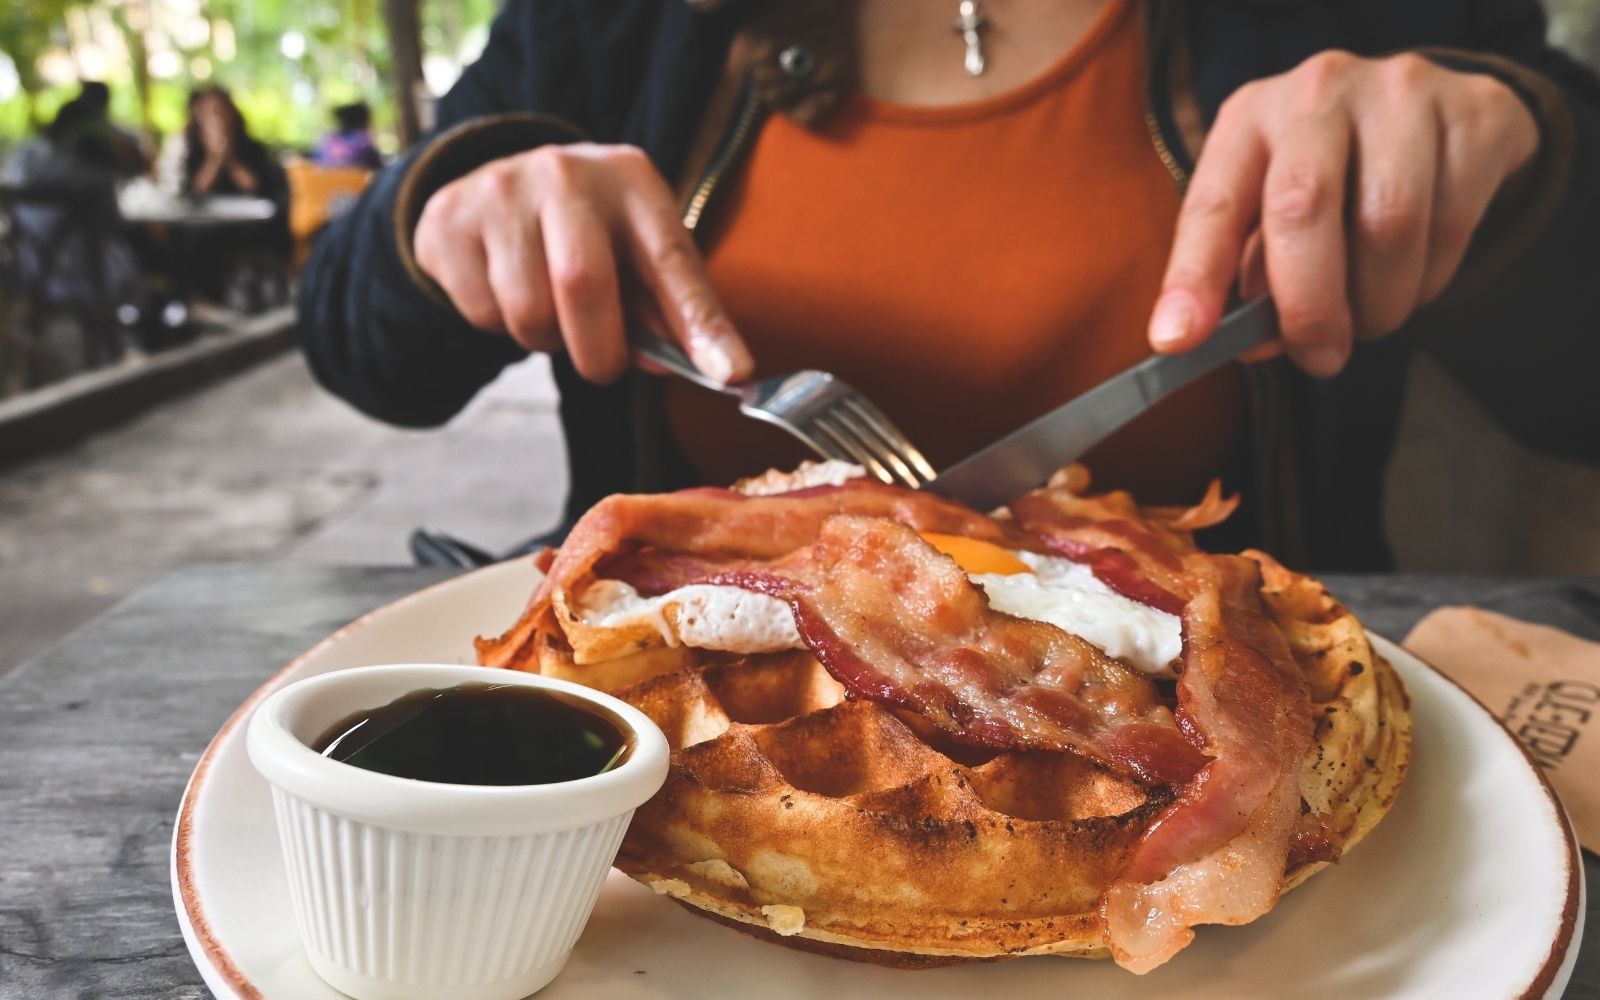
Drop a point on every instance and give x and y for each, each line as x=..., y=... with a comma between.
x=1251, y=325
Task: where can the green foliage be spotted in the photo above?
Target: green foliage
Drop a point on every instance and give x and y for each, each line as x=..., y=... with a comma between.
x=26, y=30
x=285, y=98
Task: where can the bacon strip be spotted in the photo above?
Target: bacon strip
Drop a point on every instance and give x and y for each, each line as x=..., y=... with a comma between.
x=723, y=525
x=1138, y=559
x=898, y=622
x=1217, y=854
x=653, y=572
x=1211, y=511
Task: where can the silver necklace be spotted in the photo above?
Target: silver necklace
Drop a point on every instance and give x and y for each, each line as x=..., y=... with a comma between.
x=970, y=24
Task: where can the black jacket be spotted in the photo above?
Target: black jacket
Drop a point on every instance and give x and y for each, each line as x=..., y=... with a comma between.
x=1524, y=338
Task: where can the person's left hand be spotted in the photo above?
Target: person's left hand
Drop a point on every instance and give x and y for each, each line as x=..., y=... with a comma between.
x=1357, y=182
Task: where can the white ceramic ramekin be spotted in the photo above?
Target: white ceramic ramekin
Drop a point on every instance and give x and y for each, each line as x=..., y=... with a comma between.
x=415, y=890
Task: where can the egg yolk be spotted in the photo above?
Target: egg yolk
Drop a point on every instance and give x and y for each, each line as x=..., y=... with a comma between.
x=976, y=557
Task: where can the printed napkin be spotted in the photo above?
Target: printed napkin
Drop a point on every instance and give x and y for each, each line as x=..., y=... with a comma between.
x=1543, y=683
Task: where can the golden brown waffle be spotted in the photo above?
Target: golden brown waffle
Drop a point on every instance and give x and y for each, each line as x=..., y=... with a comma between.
x=842, y=826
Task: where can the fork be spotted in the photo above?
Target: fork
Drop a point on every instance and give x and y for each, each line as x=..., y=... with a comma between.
x=828, y=414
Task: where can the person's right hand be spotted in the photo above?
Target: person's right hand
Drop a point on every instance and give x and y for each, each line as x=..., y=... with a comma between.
x=538, y=245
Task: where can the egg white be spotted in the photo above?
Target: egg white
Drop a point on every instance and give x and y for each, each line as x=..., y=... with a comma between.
x=1057, y=591
x=1069, y=596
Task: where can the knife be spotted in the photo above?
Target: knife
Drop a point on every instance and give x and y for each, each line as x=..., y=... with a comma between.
x=1026, y=457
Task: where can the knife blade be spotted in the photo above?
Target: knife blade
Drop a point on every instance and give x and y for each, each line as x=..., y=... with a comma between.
x=1020, y=461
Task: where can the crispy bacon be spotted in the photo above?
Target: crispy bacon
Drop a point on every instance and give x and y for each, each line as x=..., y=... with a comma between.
x=1211, y=511
x=723, y=525
x=1120, y=571
x=1217, y=854
x=653, y=572
x=1140, y=560
x=896, y=621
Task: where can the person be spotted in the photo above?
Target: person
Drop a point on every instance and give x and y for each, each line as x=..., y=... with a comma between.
x=832, y=186
x=84, y=124
x=70, y=250
x=222, y=158
x=350, y=144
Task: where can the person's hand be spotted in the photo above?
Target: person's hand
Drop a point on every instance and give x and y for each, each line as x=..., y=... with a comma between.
x=1356, y=182
x=541, y=245
x=216, y=132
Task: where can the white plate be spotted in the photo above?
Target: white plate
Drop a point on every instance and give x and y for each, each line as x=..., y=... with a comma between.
x=1472, y=886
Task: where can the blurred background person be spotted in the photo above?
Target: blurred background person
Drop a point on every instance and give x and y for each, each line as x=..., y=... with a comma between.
x=232, y=263
x=350, y=144
x=71, y=256
x=99, y=140
x=220, y=156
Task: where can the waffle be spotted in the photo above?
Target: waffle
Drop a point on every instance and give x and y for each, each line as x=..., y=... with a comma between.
x=848, y=828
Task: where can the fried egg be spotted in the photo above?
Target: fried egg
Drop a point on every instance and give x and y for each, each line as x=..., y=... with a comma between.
x=1043, y=588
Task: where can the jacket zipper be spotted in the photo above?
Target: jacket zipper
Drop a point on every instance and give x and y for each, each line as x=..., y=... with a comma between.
x=1152, y=124
x=728, y=150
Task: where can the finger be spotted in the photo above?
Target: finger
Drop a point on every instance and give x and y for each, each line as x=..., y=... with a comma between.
x=519, y=276
x=1218, y=212
x=462, y=272
x=1473, y=162
x=1302, y=225
x=1397, y=161
x=449, y=249
x=1253, y=268
x=667, y=262
x=641, y=308
x=1253, y=282
x=583, y=281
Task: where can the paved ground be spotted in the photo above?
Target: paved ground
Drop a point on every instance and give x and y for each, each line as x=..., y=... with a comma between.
x=264, y=466
x=267, y=466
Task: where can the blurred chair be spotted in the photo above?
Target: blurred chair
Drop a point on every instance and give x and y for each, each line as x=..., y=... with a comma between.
x=317, y=195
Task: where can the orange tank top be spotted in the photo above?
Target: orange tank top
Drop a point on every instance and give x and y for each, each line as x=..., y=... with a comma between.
x=967, y=267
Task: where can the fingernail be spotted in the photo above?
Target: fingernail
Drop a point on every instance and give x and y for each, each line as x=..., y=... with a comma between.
x=1172, y=323
x=709, y=356
x=718, y=352
x=1323, y=362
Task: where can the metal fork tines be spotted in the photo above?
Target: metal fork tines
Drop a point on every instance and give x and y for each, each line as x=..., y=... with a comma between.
x=829, y=415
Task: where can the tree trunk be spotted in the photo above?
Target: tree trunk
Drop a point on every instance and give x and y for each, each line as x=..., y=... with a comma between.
x=139, y=56
x=30, y=103
x=405, y=65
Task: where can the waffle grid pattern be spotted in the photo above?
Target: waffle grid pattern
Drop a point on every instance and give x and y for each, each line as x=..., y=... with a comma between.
x=839, y=825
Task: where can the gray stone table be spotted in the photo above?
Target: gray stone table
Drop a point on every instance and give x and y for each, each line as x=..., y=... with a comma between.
x=99, y=734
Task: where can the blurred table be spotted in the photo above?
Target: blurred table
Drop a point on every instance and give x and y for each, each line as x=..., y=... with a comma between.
x=98, y=737
x=146, y=204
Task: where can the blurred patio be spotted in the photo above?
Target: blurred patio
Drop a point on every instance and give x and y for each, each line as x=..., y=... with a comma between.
x=264, y=466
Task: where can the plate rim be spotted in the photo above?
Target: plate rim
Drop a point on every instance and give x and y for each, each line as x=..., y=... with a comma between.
x=1562, y=946
x=220, y=967
x=194, y=924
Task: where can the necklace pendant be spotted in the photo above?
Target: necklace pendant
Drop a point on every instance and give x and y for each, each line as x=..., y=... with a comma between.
x=970, y=24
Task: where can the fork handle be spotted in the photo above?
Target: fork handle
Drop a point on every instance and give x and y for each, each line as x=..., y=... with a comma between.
x=669, y=356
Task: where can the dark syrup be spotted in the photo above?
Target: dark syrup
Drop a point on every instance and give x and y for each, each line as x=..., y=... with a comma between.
x=479, y=734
